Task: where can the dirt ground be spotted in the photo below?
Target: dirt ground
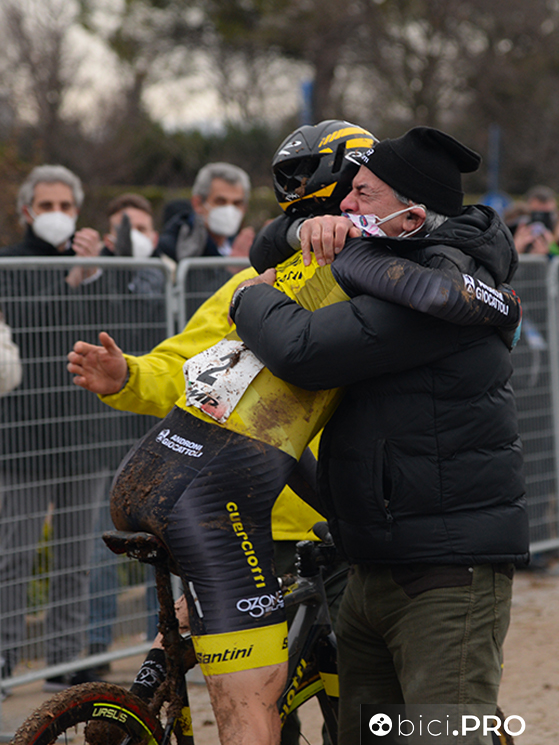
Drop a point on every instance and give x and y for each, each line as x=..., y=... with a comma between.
x=530, y=686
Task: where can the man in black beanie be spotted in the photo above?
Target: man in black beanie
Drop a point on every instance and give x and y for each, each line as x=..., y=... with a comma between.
x=420, y=467
x=421, y=170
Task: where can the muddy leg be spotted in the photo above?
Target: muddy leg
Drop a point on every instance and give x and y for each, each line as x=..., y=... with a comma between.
x=245, y=705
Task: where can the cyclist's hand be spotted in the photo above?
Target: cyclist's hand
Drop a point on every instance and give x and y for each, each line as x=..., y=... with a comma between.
x=325, y=236
x=268, y=277
x=99, y=369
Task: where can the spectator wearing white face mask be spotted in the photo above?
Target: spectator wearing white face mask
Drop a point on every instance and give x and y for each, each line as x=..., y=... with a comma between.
x=143, y=236
x=48, y=204
x=211, y=228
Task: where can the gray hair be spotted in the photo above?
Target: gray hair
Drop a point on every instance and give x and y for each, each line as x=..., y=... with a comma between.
x=433, y=220
x=540, y=194
x=48, y=175
x=226, y=171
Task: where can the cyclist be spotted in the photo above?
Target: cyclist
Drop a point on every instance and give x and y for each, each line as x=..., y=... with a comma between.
x=206, y=477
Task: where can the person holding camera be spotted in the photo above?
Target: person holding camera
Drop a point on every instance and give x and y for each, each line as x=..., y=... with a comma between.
x=533, y=222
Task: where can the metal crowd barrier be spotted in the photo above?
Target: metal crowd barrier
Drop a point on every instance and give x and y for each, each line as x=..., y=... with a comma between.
x=535, y=360
x=60, y=446
x=197, y=279
x=62, y=593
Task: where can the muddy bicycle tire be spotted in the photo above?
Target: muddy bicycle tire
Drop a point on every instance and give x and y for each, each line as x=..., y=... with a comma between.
x=108, y=712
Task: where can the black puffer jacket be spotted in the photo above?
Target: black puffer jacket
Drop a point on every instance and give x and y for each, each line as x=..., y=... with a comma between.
x=422, y=461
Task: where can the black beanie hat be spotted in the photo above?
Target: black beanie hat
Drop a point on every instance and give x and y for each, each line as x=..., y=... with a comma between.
x=425, y=165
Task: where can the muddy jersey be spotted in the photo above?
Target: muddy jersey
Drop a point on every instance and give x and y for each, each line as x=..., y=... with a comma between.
x=229, y=385
x=271, y=410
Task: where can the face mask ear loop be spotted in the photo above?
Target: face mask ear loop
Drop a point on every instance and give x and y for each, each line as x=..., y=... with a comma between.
x=403, y=234
x=394, y=214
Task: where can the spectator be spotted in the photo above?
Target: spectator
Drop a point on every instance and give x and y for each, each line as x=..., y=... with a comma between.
x=10, y=363
x=533, y=222
x=209, y=227
x=543, y=199
x=51, y=450
x=140, y=240
x=220, y=198
x=143, y=237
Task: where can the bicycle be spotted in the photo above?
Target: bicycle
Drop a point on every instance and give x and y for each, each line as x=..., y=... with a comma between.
x=107, y=714
x=103, y=713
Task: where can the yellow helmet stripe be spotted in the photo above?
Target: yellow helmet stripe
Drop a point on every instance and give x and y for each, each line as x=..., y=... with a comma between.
x=360, y=142
x=344, y=132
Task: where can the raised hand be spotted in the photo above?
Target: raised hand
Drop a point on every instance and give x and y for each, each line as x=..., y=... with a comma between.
x=99, y=369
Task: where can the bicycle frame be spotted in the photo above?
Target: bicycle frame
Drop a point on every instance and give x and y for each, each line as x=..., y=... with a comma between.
x=312, y=654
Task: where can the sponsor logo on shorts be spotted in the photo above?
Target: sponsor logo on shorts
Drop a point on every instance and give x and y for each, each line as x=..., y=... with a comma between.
x=179, y=444
x=227, y=655
x=246, y=545
x=258, y=606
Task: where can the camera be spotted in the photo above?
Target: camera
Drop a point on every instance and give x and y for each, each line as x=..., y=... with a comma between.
x=546, y=218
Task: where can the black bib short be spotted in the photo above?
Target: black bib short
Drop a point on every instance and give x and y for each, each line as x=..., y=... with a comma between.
x=208, y=493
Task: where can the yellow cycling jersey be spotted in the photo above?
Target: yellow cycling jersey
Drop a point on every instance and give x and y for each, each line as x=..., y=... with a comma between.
x=156, y=383
x=271, y=410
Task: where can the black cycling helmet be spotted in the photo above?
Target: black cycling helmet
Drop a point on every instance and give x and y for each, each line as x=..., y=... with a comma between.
x=310, y=171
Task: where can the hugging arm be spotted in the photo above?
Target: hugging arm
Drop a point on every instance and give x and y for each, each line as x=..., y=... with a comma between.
x=448, y=294
x=317, y=350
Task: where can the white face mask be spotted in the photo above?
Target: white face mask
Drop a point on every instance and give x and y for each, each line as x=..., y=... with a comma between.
x=142, y=247
x=225, y=220
x=53, y=227
x=369, y=224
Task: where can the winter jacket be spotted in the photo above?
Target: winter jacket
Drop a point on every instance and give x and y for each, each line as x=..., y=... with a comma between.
x=422, y=461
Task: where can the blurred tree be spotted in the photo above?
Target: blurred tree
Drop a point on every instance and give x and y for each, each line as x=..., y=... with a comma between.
x=456, y=64
x=258, y=46
x=12, y=172
x=516, y=84
x=37, y=68
x=151, y=40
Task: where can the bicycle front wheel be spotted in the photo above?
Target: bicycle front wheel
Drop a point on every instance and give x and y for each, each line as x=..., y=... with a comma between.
x=93, y=713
